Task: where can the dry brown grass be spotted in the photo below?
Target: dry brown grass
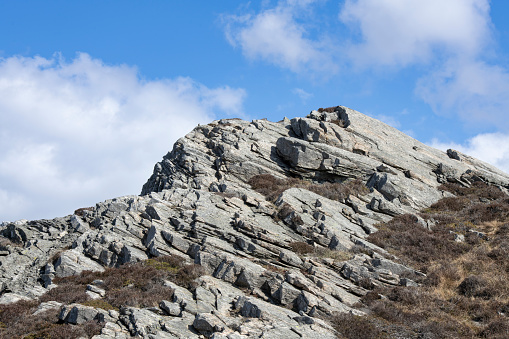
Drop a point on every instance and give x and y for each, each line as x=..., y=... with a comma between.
x=333, y=254
x=328, y=109
x=17, y=321
x=139, y=285
x=284, y=211
x=81, y=211
x=351, y=326
x=466, y=291
x=271, y=187
x=301, y=247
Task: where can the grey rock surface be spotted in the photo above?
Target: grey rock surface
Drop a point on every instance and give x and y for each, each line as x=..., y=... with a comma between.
x=198, y=204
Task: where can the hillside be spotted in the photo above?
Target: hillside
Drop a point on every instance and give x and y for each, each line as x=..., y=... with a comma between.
x=261, y=229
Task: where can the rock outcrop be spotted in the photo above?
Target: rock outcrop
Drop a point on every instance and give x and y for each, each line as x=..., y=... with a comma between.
x=199, y=204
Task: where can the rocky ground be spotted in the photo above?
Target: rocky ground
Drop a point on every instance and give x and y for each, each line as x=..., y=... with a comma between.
x=275, y=218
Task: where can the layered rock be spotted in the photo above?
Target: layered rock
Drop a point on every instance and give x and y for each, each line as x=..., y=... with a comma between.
x=198, y=204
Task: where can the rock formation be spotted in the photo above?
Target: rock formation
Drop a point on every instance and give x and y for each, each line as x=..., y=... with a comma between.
x=199, y=204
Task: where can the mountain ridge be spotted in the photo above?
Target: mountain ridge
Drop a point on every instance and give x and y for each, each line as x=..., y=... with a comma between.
x=337, y=174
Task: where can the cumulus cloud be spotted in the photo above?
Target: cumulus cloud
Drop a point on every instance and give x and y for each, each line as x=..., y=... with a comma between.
x=451, y=39
x=80, y=131
x=275, y=35
x=492, y=148
x=400, y=32
x=475, y=90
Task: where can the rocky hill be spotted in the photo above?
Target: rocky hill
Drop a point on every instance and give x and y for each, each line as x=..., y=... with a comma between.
x=245, y=229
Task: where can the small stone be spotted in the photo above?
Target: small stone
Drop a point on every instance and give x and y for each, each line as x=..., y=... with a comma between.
x=207, y=323
x=170, y=308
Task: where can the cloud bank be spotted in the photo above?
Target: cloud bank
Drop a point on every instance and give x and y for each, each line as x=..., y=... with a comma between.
x=80, y=131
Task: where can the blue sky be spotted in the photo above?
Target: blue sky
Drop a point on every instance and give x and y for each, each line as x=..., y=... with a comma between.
x=93, y=93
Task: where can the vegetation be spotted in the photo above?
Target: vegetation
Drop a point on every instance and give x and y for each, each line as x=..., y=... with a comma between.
x=465, y=256
x=137, y=285
x=271, y=187
x=328, y=109
x=17, y=321
x=303, y=248
x=81, y=211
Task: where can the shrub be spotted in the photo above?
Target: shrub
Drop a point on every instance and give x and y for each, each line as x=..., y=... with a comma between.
x=271, y=187
x=479, y=213
x=474, y=286
x=339, y=191
x=10, y=313
x=451, y=204
x=328, y=109
x=285, y=210
x=301, y=248
x=478, y=190
x=417, y=245
x=466, y=281
x=5, y=243
x=66, y=293
x=169, y=264
x=147, y=295
x=355, y=327
x=19, y=322
x=187, y=274
x=496, y=329
x=81, y=211
x=137, y=285
x=366, y=283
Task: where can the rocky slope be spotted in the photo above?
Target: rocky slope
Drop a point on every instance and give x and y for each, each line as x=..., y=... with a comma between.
x=200, y=204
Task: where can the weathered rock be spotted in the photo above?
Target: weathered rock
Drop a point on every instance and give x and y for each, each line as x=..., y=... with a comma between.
x=198, y=204
x=170, y=308
x=79, y=314
x=9, y=298
x=207, y=323
x=46, y=306
x=72, y=262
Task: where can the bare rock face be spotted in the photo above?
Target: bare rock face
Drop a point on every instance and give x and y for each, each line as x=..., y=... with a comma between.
x=198, y=204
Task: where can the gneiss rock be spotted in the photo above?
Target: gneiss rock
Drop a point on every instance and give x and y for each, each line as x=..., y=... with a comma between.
x=272, y=268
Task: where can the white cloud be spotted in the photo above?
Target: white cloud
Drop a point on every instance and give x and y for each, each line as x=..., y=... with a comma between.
x=492, y=148
x=401, y=32
x=74, y=133
x=303, y=95
x=276, y=36
x=474, y=90
x=452, y=38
